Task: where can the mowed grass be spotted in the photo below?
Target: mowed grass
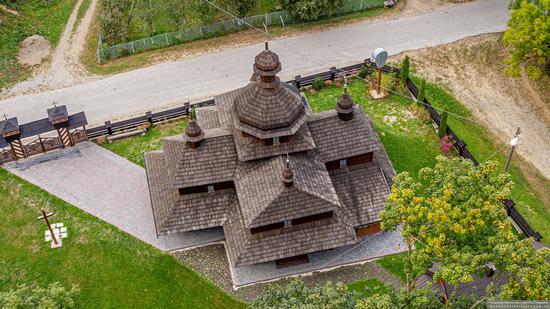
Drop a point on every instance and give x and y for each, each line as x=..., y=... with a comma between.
x=134, y=148
x=395, y=264
x=111, y=268
x=369, y=287
x=46, y=18
x=529, y=201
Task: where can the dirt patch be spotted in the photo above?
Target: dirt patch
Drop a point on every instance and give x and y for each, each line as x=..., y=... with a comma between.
x=473, y=70
x=33, y=50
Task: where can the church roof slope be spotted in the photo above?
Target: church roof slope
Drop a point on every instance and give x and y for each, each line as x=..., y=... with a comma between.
x=264, y=199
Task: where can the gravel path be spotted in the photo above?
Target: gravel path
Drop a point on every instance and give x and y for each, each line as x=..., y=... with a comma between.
x=64, y=69
x=211, y=262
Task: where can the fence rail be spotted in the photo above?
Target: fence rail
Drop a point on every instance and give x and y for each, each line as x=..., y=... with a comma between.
x=218, y=28
x=149, y=118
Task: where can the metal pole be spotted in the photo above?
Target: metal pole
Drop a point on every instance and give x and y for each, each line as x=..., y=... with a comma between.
x=378, y=85
x=518, y=131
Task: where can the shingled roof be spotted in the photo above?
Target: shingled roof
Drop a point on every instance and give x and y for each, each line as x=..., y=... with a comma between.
x=244, y=142
x=265, y=200
x=337, y=139
x=9, y=125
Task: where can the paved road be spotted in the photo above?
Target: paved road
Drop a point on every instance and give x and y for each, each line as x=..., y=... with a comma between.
x=170, y=83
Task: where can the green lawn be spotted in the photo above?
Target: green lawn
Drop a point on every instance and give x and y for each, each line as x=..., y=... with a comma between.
x=133, y=148
x=111, y=268
x=369, y=287
x=395, y=264
x=46, y=18
x=529, y=202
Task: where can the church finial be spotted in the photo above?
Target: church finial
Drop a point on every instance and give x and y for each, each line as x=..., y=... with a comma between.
x=288, y=175
x=345, y=105
x=193, y=133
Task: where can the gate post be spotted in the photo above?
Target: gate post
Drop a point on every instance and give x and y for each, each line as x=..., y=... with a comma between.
x=59, y=118
x=9, y=128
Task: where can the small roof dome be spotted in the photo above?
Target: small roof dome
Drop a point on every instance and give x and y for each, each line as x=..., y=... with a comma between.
x=193, y=132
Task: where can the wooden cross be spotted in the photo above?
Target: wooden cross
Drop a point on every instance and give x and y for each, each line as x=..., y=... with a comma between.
x=54, y=104
x=45, y=217
x=5, y=117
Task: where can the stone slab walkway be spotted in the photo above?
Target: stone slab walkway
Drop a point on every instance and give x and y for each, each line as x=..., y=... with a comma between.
x=370, y=248
x=108, y=187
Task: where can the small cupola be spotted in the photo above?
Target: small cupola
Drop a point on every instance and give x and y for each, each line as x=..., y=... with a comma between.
x=193, y=133
x=9, y=127
x=345, y=106
x=58, y=115
x=287, y=176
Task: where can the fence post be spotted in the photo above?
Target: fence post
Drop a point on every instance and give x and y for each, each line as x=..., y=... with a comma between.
x=41, y=144
x=332, y=73
x=109, y=127
x=149, y=117
x=133, y=48
x=298, y=81
x=167, y=40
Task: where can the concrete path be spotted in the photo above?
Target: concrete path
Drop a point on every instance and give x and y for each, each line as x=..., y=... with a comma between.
x=170, y=83
x=108, y=187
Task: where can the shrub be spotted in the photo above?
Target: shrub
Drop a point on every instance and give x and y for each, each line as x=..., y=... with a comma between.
x=442, y=131
x=405, y=67
x=318, y=83
x=421, y=92
x=240, y=7
x=364, y=72
x=309, y=10
x=446, y=144
x=54, y=296
x=388, y=82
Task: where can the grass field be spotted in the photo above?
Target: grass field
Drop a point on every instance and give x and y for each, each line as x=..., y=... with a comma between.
x=395, y=264
x=111, y=268
x=369, y=287
x=46, y=18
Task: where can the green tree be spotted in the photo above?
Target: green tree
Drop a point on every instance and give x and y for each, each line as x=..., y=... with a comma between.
x=453, y=214
x=529, y=36
x=422, y=91
x=113, y=26
x=405, y=67
x=240, y=7
x=297, y=295
x=53, y=296
x=309, y=10
x=528, y=270
x=442, y=130
x=176, y=10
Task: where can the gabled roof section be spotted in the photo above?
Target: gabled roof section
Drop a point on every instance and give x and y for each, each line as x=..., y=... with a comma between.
x=214, y=161
x=9, y=125
x=337, y=139
x=245, y=249
x=265, y=200
x=57, y=114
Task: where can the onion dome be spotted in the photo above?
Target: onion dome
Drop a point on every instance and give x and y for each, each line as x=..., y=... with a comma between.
x=288, y=176
x=193, y=133
x=265, y=105
x=345, y=106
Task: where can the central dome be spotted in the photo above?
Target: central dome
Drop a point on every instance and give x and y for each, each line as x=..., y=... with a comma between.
x=265, y=103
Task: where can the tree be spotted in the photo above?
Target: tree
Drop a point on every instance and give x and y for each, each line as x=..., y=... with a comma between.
x=297, y=295
x=421, y=92
x=453, y=214
x=309, y=10
x=442, y=130
x=113, y=27
x=529, y=37
x=240, y=7
x=528, y=270
x=54, y=296
x=148, y=13
x=177, y=10
x=405, y=67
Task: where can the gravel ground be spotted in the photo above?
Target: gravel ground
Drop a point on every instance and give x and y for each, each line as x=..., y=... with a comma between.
x=211, y=262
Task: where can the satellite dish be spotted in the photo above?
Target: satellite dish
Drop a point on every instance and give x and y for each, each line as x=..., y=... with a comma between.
x=380, y=57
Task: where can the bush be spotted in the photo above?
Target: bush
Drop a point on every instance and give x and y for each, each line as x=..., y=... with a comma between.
x=422, y=92
x=240, y=7
x=318, y=83
x=364, y=72
x=405, y=67
x=54, y=296
x=388, y=82
x=309, y=10
x=446, y=144
x=442, y=131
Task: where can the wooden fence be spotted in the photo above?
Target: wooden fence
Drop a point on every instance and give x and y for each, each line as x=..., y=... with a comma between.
x=111, y=128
